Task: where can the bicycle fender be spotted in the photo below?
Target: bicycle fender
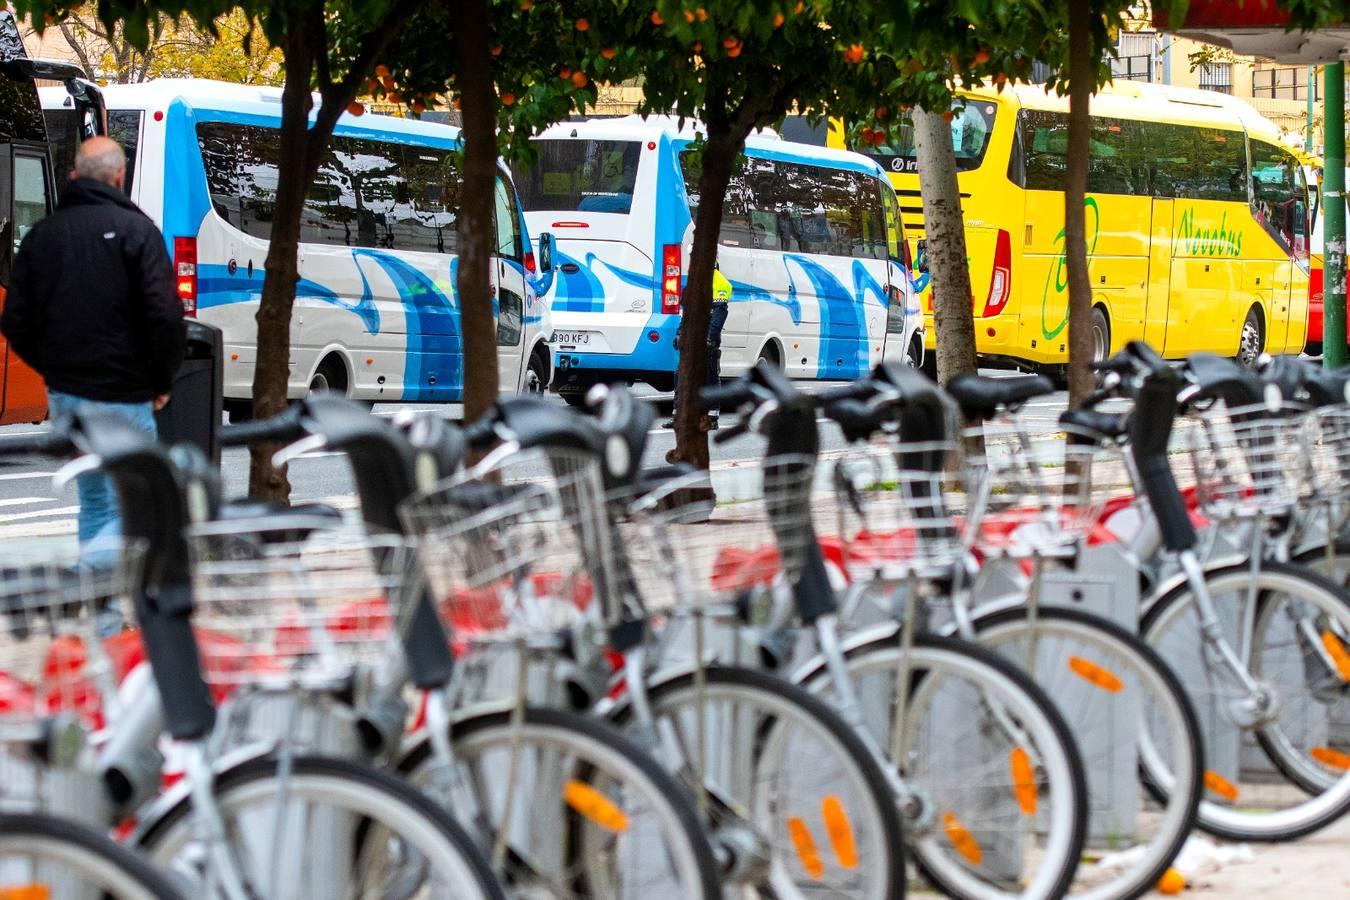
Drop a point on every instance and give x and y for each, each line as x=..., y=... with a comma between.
x=150, y=815
x=813, y=666
x=1177, y=579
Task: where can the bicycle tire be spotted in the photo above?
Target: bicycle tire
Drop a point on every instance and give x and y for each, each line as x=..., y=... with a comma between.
x=122, y=873
x=1163, y=849
x=383, y=792
x=1314, y=557
x=590, y=733
x=1056, y=878
x=1282, y=826
x=849, y=745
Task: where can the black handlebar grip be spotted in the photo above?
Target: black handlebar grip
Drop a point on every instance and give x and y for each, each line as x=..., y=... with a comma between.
x=734, y=394
x=482, y=432
x=732, y=432
x=862, y=389
x=279, y=429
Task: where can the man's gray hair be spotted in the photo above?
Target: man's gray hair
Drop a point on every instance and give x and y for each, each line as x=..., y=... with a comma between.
x=100, y=159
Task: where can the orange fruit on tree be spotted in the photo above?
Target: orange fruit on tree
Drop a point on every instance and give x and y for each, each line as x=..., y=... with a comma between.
x=981, y=57
x=698, y=47
x=882, y=112
x=730, y=42
x=853, y=53
x=583, y=25
x=656, y=18
x=688, y=16
x=388, y=83
x=508, y=99
x=607, y=53
x=496, y=50
x=778, y=21
x=382, y=71
x=948, y=116
x=356, y=108
x=564, y=73
x=580, y=80
x=702, y=14
x=734, y=52
x=878, y=138
x=526, y=5
x=800, y=7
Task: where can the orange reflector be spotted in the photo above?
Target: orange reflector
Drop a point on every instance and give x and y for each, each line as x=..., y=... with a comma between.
x=962, y=839
x=595, y=806
x=26, y=892
x=1221, y=786
x=1333, y=758
x=1339, y=655
x=806, y=847
x=840, y=830
x=1095, y=674
x=1024, y=780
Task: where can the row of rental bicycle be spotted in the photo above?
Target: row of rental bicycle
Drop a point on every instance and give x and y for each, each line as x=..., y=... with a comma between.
x=983, y=652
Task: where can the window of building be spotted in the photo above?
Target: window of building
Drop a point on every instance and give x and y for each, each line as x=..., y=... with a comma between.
x=1216, y=77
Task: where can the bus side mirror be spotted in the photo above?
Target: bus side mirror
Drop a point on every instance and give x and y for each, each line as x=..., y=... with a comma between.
x=921, y=258
x=545, y=253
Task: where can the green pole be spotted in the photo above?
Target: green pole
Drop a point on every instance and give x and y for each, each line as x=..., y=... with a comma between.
x=1312, y=90
x=1333, y=200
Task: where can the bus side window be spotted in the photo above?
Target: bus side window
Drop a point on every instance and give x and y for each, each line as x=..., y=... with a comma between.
x=510, y=284
x=893, y=230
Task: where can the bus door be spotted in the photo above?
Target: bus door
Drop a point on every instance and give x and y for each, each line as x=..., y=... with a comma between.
x=25, y=199
x=508, y=277
x=1159, y=275
x=1200, y=312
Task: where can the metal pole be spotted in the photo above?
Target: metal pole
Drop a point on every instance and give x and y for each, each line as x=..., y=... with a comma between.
x=1333, y=200
x=1312, y=91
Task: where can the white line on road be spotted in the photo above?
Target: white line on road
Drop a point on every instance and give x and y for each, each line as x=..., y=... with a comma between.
x=20, y=476
x=40, y=514
x=25, y=501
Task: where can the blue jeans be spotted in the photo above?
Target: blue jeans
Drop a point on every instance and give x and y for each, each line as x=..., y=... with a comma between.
x=98, y=498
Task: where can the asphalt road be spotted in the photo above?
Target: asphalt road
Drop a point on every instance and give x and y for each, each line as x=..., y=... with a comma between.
x=31, y=507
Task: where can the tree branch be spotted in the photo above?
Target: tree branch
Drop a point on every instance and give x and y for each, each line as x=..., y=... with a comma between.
x=323, y=74
x=69, y=34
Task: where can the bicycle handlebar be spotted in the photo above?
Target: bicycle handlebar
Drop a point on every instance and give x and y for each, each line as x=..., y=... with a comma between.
x=284, y=428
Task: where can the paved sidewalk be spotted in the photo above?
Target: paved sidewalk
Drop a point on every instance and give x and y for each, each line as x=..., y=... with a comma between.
x=1317, y=866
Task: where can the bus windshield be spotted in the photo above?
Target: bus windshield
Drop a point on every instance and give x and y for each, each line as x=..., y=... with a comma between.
x=972, y=125
x=579, y=176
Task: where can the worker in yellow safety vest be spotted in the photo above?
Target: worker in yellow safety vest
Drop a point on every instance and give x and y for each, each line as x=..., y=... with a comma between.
x=716, y=321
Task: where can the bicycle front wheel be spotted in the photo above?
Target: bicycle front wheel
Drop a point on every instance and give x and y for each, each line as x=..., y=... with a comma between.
x=1278, y=769
x=42, y=856
x=326, y=828
x=1124, y=705
x=996, y=803
x=779, y=763
x=574, y=809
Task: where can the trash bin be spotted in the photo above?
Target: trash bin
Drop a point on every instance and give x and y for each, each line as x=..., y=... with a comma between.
x=193, y=412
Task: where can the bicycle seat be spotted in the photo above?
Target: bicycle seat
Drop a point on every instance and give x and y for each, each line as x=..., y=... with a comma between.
x=285, y=524
x=1223, y=379
x=1326, y=387
x=983, y=398
x=1102, y=425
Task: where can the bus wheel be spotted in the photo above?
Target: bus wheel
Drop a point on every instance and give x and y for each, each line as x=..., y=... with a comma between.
x=536, y=374
x=1101, y=335
x=769, y=353
x=1253, y=339
x=330, y=376
x=914, y=355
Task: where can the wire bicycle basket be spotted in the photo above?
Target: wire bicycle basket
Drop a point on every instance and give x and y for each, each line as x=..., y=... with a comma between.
x=512, y=560
x=279, y=609
x=1247, y=462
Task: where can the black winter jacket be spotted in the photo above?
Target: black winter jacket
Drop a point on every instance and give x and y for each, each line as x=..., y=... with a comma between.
x=91, y=303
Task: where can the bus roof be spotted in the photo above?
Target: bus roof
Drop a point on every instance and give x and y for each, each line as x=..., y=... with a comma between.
x=242, y=99
x=1148, y=102
x=764, y=143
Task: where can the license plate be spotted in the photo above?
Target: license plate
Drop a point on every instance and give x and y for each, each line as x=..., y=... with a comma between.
x=571, y=338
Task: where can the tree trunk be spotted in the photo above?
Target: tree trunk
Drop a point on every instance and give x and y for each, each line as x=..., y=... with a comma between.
x=719, y=156
x=1081, y=81
x=476, y=230
x=945, y=245
x=271, y=371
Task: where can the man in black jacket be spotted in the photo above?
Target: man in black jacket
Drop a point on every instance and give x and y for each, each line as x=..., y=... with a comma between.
x=92, y=308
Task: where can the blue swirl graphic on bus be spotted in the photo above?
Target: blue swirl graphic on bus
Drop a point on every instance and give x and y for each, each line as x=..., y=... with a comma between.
x=579, y=290
x=434, y=369
x=864, y=283
x=843, y=331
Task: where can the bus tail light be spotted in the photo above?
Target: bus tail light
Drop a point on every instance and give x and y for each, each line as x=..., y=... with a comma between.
x=1000, y=285
x=672, y=269
x=185, y=272
x=530, y=265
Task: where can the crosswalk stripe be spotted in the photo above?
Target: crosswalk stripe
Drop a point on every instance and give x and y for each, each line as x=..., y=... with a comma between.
x=40, y=514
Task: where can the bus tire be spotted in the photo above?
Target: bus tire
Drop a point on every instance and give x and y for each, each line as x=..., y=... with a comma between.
x=537, y=373
x=771, y=354
x=914, y=355
x=1101, y=335
x=239, y=410
x=330, y=376
x=1252, y=338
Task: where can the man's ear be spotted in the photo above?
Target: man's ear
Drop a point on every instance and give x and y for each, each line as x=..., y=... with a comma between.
x=73, y=175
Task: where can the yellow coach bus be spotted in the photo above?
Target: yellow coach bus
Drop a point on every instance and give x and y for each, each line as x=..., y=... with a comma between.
x=1197, y=223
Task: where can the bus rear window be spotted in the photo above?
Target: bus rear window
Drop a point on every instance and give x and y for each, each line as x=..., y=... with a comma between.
x=63, y=133
x=972, y=126
x=579, y=176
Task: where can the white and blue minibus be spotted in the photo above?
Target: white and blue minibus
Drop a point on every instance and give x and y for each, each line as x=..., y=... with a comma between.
x=376, y=312
x=811, y=241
